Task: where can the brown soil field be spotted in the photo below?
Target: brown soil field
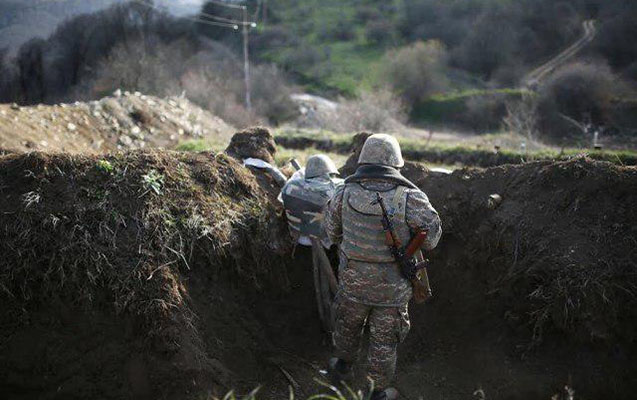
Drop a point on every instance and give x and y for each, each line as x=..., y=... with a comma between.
x=157, y=274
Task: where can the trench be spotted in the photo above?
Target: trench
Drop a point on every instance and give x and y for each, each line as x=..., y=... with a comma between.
x=458, y=346
x=473, y=340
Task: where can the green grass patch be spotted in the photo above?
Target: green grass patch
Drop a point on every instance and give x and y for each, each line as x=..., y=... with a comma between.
x=195, y=145
x=474, y=109
x=344, y=61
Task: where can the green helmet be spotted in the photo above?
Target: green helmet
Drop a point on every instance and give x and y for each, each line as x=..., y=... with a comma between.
x=381, y=149
x=319, y=165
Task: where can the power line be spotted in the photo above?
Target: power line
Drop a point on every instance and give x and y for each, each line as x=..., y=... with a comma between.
x=227, y=20
x=245, y=33
x=213, y=23
x=203, y=14
x=224, y=4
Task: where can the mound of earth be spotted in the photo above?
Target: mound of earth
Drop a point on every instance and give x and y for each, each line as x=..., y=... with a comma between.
x=121, y=275
x=119, y=122
x=255, y=142
x=170, y=275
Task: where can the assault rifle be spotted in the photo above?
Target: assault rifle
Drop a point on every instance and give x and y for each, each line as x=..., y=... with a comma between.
x=404, y=256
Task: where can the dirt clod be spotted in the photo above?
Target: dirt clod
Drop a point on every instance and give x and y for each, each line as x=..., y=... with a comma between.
x=255, y=142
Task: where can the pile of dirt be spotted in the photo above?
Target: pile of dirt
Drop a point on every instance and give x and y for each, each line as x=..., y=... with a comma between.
x=121, y=275
x=119, y=122
x=255, y=142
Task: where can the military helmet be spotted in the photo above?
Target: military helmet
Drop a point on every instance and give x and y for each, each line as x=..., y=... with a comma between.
x=381, y=149
x=319, y=165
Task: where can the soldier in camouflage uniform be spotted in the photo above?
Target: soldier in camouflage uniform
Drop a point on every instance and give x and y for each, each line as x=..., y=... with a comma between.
x=371, y=288
x=304, y=198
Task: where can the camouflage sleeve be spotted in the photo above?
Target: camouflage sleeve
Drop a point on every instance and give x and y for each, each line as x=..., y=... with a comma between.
x=332, y=219
x=420, y=214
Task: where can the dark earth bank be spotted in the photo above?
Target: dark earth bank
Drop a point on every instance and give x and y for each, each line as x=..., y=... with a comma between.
x=171, y=275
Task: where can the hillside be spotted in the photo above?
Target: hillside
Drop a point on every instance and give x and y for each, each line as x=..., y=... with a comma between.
x=325, y=43
x=338, y=46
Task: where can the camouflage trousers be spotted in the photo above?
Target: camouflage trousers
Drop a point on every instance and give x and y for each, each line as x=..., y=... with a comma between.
x=388, y=327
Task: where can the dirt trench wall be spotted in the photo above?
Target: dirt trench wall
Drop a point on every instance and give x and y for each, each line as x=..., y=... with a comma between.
x=558, y=253
x=116, y=273
x=167, y=275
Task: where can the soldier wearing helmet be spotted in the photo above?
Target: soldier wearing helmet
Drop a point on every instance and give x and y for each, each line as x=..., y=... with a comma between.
x=305, y=196
x=372, y=289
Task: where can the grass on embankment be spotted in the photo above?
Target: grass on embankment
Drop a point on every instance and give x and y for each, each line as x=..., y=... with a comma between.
x=282, y=156
x=445, y=154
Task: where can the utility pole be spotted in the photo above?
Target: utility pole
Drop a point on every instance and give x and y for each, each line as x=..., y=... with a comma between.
x=246, y=59
x=227, y=23
x=265, y=12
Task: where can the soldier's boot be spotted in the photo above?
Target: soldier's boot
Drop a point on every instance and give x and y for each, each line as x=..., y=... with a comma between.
x=387, y=394
x=339, y=371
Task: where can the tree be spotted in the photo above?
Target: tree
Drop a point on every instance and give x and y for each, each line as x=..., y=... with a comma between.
x=415, y=72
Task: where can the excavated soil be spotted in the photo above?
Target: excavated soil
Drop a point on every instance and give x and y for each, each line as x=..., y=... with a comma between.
x=167, y=275
x=122, y=121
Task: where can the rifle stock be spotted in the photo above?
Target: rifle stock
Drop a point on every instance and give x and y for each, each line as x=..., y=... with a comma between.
x=416, y=243
x=420, y=284
x=420, y=281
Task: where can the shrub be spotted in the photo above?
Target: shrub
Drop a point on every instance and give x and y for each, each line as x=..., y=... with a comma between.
x=374, y=111
x=487, y=48
x=271, y=95
x=380, y=31
x=341, y=29
x=577, y=97
x=474, y=110
x=303, y=56
x=484, y=113
x=367, y=13
x=140, y=65
x=7, y=78
x=521, y=117
x=415, y=72
x=273, y=37
x=213, y=79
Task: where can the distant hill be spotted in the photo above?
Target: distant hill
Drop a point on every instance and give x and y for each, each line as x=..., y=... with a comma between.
x=337, y=46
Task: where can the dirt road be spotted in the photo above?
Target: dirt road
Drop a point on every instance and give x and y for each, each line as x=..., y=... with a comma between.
x=536, y=76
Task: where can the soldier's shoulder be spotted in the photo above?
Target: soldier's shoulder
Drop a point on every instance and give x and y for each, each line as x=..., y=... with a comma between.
x=295, y=182
x=415, y=192
x=416, y=196
x=340, y=188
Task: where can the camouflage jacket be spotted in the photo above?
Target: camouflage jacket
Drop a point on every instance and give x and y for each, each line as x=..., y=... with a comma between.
x=380, y=283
